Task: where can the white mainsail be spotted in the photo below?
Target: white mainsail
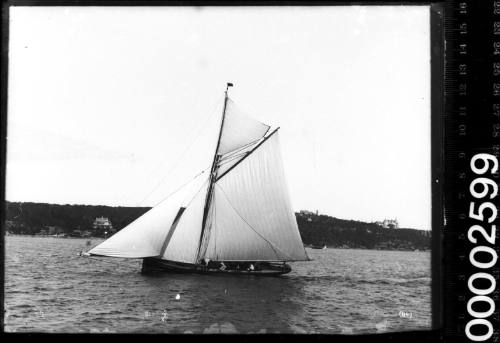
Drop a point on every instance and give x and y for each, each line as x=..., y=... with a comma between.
x=253, y=218
x=248, y=212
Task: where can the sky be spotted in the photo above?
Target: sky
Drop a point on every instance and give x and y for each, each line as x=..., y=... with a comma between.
x=120, y=105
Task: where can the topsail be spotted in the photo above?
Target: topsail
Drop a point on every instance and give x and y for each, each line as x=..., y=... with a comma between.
x=239, y=130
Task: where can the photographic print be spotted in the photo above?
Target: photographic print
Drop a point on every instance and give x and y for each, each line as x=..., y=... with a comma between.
x=218, y=169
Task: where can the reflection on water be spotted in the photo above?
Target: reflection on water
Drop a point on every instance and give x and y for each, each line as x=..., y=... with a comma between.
x=49, y=288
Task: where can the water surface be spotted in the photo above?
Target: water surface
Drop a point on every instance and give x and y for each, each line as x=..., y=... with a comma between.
x=49, y=288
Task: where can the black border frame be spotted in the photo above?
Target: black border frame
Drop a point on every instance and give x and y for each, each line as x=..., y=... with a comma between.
x=437, y=16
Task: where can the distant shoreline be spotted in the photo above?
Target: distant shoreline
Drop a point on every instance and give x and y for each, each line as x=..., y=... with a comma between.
x=102, y=238
x=77, y=221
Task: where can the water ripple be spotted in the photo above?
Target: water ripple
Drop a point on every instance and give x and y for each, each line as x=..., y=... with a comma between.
x=340, y=291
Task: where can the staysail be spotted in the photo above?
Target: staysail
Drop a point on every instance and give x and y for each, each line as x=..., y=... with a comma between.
x=183, y=245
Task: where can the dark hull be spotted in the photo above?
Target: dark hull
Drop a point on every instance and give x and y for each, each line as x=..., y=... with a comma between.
x=155, y=265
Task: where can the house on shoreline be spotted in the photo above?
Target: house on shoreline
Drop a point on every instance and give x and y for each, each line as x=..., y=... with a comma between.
x=102, y=226
x=389, y=223
x=102, y=223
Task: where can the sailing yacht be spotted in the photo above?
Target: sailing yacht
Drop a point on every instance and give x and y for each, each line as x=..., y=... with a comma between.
x=237, y=219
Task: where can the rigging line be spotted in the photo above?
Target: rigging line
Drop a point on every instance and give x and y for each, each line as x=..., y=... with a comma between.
x=212, y=112
x=231, y=155
x=237, y=153
x=237, y=150
x=248, y=154
x=232, y=158
x=250, y=226
x=178, y=189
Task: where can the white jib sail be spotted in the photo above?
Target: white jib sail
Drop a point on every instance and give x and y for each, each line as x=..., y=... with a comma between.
x=145, y=236
x=253, y=217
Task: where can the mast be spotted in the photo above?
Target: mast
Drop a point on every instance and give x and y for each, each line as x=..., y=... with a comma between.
x=213, y=173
